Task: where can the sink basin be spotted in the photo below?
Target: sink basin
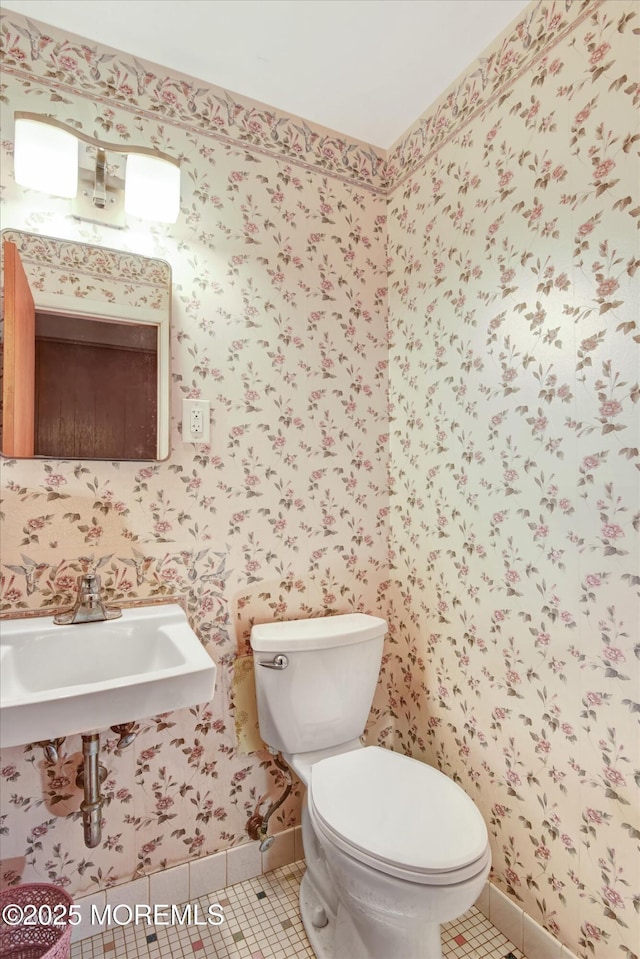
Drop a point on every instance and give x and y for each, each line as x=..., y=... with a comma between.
x=60, y=680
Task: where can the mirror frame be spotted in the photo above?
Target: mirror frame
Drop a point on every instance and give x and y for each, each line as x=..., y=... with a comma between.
x=103, y=309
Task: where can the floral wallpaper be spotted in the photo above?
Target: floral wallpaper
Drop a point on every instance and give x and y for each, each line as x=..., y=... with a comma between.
x=279, y=319
x=515, y=428
x=423, y=375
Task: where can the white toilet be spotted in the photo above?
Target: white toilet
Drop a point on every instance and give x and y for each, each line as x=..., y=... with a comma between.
x=393, y=847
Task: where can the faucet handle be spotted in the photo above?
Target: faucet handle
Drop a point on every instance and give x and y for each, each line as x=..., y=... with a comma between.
x=89, y=590
x=89, y=583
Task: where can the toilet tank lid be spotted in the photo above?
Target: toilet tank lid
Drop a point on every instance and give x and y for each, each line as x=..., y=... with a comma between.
x=323, y=632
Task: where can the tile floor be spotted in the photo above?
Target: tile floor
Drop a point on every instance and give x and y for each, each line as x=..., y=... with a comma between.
x=261, y=922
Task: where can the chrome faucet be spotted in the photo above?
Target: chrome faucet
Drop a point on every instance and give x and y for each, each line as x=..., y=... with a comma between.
x=90, y=607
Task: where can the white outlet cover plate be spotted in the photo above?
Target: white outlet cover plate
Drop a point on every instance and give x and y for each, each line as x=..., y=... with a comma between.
x=188, y=435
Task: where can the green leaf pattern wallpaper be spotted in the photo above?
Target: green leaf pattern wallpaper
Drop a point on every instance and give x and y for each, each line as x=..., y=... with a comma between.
x=423, y=373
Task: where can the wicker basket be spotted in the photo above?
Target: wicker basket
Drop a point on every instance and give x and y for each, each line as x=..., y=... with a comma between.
x=42, y=940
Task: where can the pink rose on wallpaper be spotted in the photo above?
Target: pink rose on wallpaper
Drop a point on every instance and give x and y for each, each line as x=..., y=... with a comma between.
x=71, y=65
x=614, y=898
x=599, y=53
x=586, y=228
x=12, y=595
x=613, y=777
x=602, y=169
x=607, y=287
x=56, y=480
x=613, y=655
x=612, y=531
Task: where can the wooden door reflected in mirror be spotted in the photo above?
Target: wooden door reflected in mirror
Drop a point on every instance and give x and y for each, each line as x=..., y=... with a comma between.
x=85, y=351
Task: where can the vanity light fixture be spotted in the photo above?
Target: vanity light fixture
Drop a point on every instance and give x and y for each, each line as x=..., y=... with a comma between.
x=52, y=157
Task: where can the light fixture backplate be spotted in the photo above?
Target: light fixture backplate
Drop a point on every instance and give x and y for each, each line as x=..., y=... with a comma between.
x=83, y=207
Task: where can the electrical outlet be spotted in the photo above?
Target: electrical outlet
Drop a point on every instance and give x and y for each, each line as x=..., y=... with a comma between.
x=195, y=421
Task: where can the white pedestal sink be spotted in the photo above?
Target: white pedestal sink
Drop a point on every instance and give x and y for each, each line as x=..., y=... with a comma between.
x=56, y=681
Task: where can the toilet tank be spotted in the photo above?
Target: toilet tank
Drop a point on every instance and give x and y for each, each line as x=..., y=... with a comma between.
x=322, y=696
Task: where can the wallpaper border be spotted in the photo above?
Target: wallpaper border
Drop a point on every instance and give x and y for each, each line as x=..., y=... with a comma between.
x=69, y=64
x=461, y=101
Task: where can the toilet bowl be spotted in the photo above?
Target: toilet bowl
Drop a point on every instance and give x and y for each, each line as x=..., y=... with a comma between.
x=393, y=847
x=402, y=845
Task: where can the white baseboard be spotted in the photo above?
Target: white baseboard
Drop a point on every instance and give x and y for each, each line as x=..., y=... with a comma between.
x=188, y=881
x=523, y=931
x=211, y=874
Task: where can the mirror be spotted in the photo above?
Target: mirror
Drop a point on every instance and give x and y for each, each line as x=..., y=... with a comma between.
x=85, y=351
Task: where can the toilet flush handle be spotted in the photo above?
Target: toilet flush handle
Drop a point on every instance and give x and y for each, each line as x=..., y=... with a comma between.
x=278, y=662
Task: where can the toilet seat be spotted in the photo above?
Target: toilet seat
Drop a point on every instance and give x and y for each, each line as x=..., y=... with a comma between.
x=398, y=815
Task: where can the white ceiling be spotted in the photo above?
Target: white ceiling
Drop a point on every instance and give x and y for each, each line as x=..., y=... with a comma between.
x=364, y=68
